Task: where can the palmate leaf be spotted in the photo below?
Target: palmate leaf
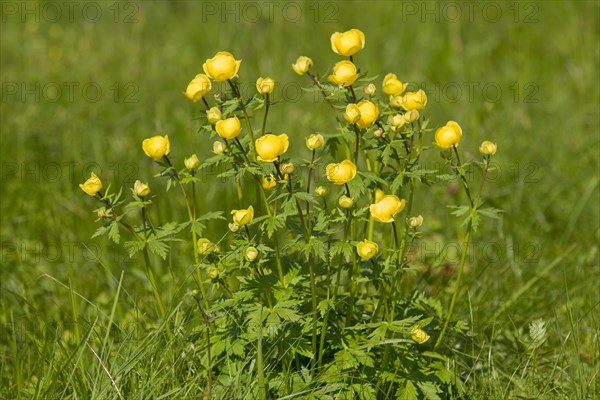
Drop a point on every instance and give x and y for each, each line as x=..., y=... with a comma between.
x=158, y=247
x=429, y=389
x=408, y=392
x=113, y=232
x=134, y=246
x=343, y=248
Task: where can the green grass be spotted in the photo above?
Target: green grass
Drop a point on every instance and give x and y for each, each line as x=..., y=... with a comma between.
x=76, y=314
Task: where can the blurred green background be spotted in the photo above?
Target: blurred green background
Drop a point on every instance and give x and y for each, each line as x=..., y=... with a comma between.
x=84, y=83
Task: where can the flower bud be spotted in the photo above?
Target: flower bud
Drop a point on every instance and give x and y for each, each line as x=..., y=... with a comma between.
x=222, y=66
x=141, y=189
x=214, y=115
x=367, y=249
x=379, y=195
x=228, y=128
x=369, y=112
x=487, y=148
x=344, y=73
x=287, y=168
x=204, y=246
x=341, y=173
x=369, y=90
x=345, y=201
x=92, y=185
x=419, y=335
x=392, y=85
x=269, y=182
x=269, y=147
x=251, y=254
x=414, y=100
x=198, y=88
x=101, y=213
x=213, y=272
x=156, y=147
x=233, y=227
x=302, y=65
x=411, y=116
x=385, y=209
x=321, y=191
x=314, y=141
x=448, y=135
x=352, y=113
x=192, y=162
x=348, y=43
x=219, y=147
x=243, y=216
x=378, y=132
x=196, y=293
x=265, y=85
x=415, y=222
x=396, y=121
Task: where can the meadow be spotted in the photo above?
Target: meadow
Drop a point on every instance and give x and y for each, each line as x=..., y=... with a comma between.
x=84, y=83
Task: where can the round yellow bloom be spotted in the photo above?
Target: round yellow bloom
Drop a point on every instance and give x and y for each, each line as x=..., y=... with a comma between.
x=287, y=169
x=487, y=148
x=244, y=216
x=411, y=116
x=385, y=209
x=369, y=112
x=369, y=90
x=251, y=253
x=269, y=147
x=198, y=88
x=419, y=335
x=367, y=249
x=352, y=113
x=219, y=147
x=156, y=147
x=321, y=191
x=222, y=66
x=265, y=85
x=396, y=121
x=448, y=135
x=228, y=128
x=414, y=100
x=348, y=43
x=204, y=246
x=392, y=85
x=344, y=73
x=269, y=182
x=92, y=185
x=415, y=222
x=345, y=201
x=302, y=65
x=314, y=141
x=212, y=272
x=214, y=115
x=141, y=189
x=341, y=173
x=192, y=162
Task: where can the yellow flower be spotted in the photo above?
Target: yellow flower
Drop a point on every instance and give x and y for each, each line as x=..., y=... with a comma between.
x=222, y=66
x=156, y=147
x=251, y=253
x=419, y=335
x=396, y=121
x=192, y=162
x=321, y=191
x=367, y=249
x=411, y=116
x=92, y=185
x=352, y=113
x=214, y=115
x=198, y=88
x=141, y=189
x=204, y=246
x=345, y=201
x=415, y=222
x=341, y=173
x=302, y=65
x=219, y=147
x=392, y=85
x=287, y=169
x=244, y=216
x=448, y=135
x=379, y=195
x=487, y=148
x=344, y=73
x=369, y=112
x=269, y=182
x=314, y=141
x=265, y=85
x=348, y=43
x=414, y=100
x=269, y=147
x=369, y=90
x=385, y=209
x=228, y=128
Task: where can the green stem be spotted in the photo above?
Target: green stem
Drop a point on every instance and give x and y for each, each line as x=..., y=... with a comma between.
x=462, y=177
x=267, y=104
x=313, y=293
x=329, y=103
x=310, y=170
x=238, y=95
x=259, y=362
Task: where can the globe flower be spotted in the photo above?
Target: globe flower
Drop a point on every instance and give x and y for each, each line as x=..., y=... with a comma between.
x=352, y=113
x=414, y=100
x=156, y=147
x=269, y=147
x=219, y=147
x=243, y=216
x=192, y=162
x=222, y=66
x=419, y=335
x=228, y=128
x=415, y=222
x=251, y=253
x=345, y=201
x=314, y=141
x=141, y=189
x=341, y=173
x=487, y=148
x=392, y=85
x=369, y=90
x=214, y=115
x=302, y=65
x=396, y=121
x=321, y=191
x=287, y=169
x=411, y=116
x=265, y=85
x=448, y=135
x=385, y=209
x=204, y=246
x=369, y=112
x=367, y=249
x=344, y=73
x=92, y=185
x=348, y=43
x=269, y=182
x=198, y=88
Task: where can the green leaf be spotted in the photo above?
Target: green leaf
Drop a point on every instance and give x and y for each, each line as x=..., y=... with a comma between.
x=408, y=392
x=134, y=246
x=341, y=247
x=158, y=247
x=430, y=390
x=113, y=233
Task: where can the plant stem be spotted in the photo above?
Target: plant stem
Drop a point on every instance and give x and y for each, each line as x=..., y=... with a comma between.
x=238, y=95
x=259, y=362
x=267, y=104
x=310, y=170
x=329, y=103
x=313, y=293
